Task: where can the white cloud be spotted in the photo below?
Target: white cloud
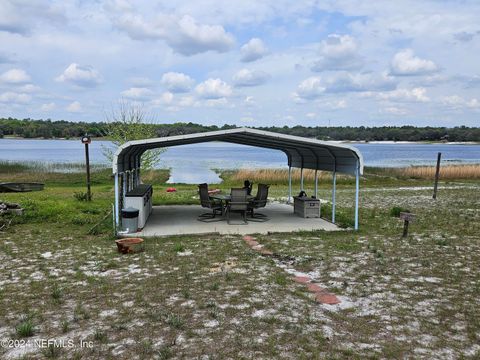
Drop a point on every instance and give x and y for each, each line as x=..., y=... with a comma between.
x=348, y=82
x=338, y=52
x=177, y=82
x=15, y=76
x=249, y=101
x=253, y=50
x=247, y=77
x=183, y=34
x=13, y=97
x=118, y=6
x=19, y=17
x=333, y=104
x=83, y=76
x=310, y=88
x=48, y=107
x=417, y=94
x=213, y=89
x=74, y=107
x=186, y=101
x=165, y=99
x=393, y=110
x=457, y=102
x=29, y=88
x=341, y=82
x=137, y=93
x=406, y=63
x=220, y=102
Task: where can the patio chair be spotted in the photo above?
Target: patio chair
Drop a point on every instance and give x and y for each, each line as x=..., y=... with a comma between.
x=248, y=186
x=238, y=203
x=208, y=203
x=260, y=201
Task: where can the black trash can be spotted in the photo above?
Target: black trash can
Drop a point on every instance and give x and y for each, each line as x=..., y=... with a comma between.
x=130, y=219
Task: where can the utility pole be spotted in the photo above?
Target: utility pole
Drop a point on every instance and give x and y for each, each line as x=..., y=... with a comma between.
x=87, y=140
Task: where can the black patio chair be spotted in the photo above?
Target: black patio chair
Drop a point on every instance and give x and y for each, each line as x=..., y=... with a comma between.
x=248, y=186
x=207, y=202
x=260, y=201
x=238, y=204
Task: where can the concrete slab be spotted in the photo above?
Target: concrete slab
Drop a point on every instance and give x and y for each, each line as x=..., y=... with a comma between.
x=182, y=219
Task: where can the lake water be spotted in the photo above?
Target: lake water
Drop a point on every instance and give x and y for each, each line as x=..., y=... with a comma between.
x=194, y=163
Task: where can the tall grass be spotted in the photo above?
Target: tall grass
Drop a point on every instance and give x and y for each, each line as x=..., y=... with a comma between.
x=276, y=175
x=446, y=172
x=67, y=174
x=10, y=167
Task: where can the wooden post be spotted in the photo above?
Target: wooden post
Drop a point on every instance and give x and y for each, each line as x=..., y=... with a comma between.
x=407, y=218
x=437, y=175
x=405, y=228
x=86, y=140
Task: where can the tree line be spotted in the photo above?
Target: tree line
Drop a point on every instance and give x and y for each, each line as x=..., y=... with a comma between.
x=48, y=129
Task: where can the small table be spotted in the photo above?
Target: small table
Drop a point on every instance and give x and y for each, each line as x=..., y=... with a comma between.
x=226, y=198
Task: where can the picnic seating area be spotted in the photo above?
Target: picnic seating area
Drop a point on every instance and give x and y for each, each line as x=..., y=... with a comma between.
x=238, y=211
x=239, y=201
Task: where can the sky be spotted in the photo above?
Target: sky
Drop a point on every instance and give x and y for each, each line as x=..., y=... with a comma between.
x=243, y=62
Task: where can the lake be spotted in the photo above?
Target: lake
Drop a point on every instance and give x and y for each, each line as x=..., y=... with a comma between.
x=194, y=163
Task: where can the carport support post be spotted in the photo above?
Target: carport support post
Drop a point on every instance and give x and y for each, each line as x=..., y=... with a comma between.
x=301, y=179
x=316, y=183
x=117, y=203
x=124, y=190
x=357, y=189
x=289, y=184
x=334, y=193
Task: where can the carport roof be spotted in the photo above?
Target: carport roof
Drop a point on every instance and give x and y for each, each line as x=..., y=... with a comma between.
x=301, y=152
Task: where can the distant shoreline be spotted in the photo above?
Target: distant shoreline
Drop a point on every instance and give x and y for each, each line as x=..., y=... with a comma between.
x=332, y=141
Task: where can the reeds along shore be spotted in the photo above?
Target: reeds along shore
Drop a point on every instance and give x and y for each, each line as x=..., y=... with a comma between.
x=446, y=172
x=417, y=172
x=277, y=175
x=270, y=176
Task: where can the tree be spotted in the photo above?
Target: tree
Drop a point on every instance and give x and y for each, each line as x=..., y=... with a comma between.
x=128, y=123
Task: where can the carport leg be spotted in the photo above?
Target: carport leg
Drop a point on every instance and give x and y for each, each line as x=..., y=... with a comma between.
x=124, y=192
x=301, y=178
x=117, y=211
x=357, y=189
x=334, y=193
x=316, y=183
x=289, y=185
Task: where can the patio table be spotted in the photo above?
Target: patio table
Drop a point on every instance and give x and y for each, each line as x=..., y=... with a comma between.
x=225, y=198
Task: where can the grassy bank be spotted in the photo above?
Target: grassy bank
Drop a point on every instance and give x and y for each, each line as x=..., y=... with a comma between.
x=211, y=295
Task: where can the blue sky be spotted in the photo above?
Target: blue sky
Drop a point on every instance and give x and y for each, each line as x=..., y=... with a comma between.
x=252, y=63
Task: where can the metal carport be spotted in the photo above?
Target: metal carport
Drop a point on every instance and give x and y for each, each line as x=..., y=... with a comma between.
x=303, y=153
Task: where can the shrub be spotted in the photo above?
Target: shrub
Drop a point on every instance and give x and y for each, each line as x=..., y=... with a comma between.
x=25, y=328
x=175, y=321
x=81, y=196
x=396, y=210
x=99, y=335
x=178, y=247
x=57, y=294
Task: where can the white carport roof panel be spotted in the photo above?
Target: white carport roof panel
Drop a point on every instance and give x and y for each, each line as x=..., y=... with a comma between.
x=300, y=151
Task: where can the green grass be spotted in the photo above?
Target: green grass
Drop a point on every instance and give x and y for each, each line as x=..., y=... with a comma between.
x=412, y=297
x=25, y=328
